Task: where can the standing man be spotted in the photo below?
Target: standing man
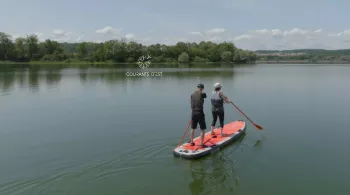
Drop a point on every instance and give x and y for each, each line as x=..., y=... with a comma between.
x=217, y=109
x=197, y=101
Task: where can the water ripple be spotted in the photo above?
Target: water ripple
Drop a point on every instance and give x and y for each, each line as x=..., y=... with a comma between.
x=131, y=160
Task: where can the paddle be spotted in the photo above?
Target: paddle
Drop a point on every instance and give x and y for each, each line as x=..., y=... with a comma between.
x=257, y=126
x=184, y=133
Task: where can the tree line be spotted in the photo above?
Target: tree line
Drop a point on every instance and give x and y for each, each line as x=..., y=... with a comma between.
x=29, y=48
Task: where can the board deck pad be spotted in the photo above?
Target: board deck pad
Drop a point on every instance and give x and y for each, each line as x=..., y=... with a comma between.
x=232, y=130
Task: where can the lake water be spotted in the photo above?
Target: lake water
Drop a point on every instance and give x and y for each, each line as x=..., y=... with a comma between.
x=100, y=132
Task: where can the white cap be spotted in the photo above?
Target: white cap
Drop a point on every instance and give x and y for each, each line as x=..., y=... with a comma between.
x=217, y=85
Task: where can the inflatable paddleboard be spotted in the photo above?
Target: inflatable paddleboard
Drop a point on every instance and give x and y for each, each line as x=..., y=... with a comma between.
x=232, y=130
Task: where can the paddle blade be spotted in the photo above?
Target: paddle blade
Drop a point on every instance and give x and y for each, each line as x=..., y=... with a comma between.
x=258, y=127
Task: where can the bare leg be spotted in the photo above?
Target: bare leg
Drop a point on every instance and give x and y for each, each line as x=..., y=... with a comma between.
x=212, y=130
x=192, y=135
x=202, y=136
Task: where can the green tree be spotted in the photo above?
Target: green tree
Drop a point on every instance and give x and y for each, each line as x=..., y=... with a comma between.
x=32, y=42
x=29, y=48
x=20, y=49
x=52, y=46
x=7, y=48
x=82, y=50
x=226, y=56
x=183, y=57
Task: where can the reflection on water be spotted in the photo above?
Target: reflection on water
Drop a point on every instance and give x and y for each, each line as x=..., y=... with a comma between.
x=83, y=74
x=216, y=174
x=33, y=78
x=21, y=78
x=28, y=78
x=53, y=77
x=198, y=173
x=7, y=80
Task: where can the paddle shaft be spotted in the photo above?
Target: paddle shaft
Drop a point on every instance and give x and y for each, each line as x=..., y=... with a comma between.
x=257, y=126
x=205, y=143
x=184, y=133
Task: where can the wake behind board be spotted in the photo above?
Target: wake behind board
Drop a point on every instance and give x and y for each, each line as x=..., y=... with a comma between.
x=232, y=130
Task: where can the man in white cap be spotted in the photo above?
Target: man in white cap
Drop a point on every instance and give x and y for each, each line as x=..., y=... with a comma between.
x=217, y=102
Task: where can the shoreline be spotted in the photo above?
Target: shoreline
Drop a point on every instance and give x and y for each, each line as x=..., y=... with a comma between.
x=110, y=63
x=10, y=64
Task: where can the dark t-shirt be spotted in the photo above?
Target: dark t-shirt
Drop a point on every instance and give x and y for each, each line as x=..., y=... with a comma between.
x=197, y=101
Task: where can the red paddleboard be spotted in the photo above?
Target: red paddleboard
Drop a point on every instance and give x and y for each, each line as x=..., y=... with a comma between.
x=232, y=130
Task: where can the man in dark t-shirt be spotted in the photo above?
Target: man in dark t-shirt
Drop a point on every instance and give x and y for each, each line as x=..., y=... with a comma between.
x=197, y=101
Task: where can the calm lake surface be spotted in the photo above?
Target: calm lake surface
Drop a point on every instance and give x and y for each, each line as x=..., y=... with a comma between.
x=99, y=132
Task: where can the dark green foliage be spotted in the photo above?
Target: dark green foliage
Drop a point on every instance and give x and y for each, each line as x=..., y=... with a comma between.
x=30, y=49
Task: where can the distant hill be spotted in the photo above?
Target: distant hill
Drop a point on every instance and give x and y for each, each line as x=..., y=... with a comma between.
x=312, y=55
x=322, y=52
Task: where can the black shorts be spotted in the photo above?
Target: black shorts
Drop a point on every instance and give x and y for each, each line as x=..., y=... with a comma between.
x=198, y=117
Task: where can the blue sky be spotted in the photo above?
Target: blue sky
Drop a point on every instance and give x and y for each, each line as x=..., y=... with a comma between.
x=250, y=24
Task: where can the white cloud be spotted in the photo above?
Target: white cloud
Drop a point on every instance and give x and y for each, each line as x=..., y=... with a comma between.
x=129, y=36
x=346, y=32
x=80, y=38
x=145, y=40
x=108, y=30
x=39, y=34
x=215, y=31
x=215, y=39
x=60, y=33
x=295, y=38
x=262, y=31
x=97, y=41
x=243, y=37
x=196, y=33
x=334, y=34
x=276, y=32
x=295, y=31
x=182, y=39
